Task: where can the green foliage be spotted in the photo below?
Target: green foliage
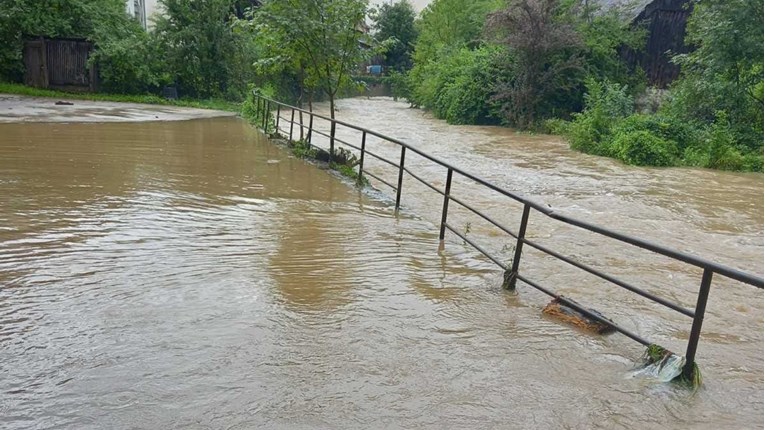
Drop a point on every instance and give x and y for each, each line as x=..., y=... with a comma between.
x=684, y=134
x=303, y=149
x=604, y=32
x=204, y=56
x=458, y=87
x=546, y=63
x=399, y=85
x=130, y=63
x=725, y=71
x=395, y=23
x=605, y=103
x=653, y=140
x=448, y=29
x=317, y=40
x=93, y=20
x=448, y=24
x=643, y=148
x=253, y=111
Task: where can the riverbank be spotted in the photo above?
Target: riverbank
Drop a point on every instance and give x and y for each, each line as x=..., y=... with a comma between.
x=16, y=108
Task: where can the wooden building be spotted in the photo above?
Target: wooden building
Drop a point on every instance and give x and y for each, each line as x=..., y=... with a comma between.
x=665, y=21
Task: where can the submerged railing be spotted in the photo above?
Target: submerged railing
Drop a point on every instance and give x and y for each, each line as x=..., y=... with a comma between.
x=512, y=274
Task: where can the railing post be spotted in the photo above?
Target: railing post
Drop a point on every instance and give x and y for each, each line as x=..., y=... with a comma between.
x=332, y=141
x=701, y=306
x=310, y=128
x=447, y=191
x=361, y=161
x=292, y=123
x=278, y=113
x=302, y=127
x=400, y=177
x=266, y=109
x=512, y=276
x=258, y=106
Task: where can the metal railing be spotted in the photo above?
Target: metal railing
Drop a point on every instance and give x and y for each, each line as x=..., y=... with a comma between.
x=512, y=274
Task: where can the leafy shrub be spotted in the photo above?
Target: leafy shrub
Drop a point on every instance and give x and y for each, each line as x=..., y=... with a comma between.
x=458, y=87
x=130, y=64
x=721, y=143
x=399, y=85
x=605, y=104
x=642, y=148
x=683, y=133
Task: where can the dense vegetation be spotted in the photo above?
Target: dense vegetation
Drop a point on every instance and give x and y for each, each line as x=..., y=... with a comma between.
x=193, y=45
x=555, y=65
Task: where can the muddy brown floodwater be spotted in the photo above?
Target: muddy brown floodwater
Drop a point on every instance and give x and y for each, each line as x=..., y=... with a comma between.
x=192, y=275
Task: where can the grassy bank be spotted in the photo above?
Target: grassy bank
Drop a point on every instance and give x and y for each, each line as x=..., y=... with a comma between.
x=216, y=104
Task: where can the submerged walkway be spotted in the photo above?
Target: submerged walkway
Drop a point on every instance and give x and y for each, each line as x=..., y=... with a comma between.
x=15, y=108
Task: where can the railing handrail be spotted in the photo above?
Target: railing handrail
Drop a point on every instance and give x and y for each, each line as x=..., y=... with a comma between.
x=685, y=257
x=512, y=274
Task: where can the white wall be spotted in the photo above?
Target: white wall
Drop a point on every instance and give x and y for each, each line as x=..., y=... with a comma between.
x=418, y=5
x=152, y=7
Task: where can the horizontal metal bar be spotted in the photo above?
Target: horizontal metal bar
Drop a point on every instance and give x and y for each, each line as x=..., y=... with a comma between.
x=640, y=243
x=611, y=279
x=379, y=179
x=424, y=182
x=486, y=217
x=321, y=133
x=476, y=246
x=585, y=311
x=687, y=258
x=381, y=158
x=350, y=145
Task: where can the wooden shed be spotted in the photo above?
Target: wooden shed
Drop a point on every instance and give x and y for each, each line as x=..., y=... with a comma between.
x=665, y=21
x=60, y=64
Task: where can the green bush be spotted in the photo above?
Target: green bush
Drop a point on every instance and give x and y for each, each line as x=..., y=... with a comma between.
x=642, y=148
x=130, y=64
x=605, y=104
x=458, y=87
x=721, y=144
x=683, y=133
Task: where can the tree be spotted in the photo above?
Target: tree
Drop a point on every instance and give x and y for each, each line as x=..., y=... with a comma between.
x=450, y=24
x=395, y=23
x=446, y=29
x=545, y=59
x=320, y=35
x=87, y=19
x=204, y=55
x=724, y=74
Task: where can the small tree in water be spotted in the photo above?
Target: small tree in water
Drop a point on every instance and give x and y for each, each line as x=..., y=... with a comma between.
x=321, y=35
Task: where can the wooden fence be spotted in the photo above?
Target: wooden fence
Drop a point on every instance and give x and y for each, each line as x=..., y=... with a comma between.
x=60, y=64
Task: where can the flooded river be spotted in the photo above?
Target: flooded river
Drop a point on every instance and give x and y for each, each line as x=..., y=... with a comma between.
x=192, y=275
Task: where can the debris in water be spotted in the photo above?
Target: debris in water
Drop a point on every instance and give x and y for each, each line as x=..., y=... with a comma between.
x=662, y=364
x=62, y=103
x=567, y=314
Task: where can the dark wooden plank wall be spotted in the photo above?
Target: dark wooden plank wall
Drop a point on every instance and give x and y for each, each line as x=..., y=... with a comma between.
x=35, y=74
x=59, y=64
x=665, y=21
